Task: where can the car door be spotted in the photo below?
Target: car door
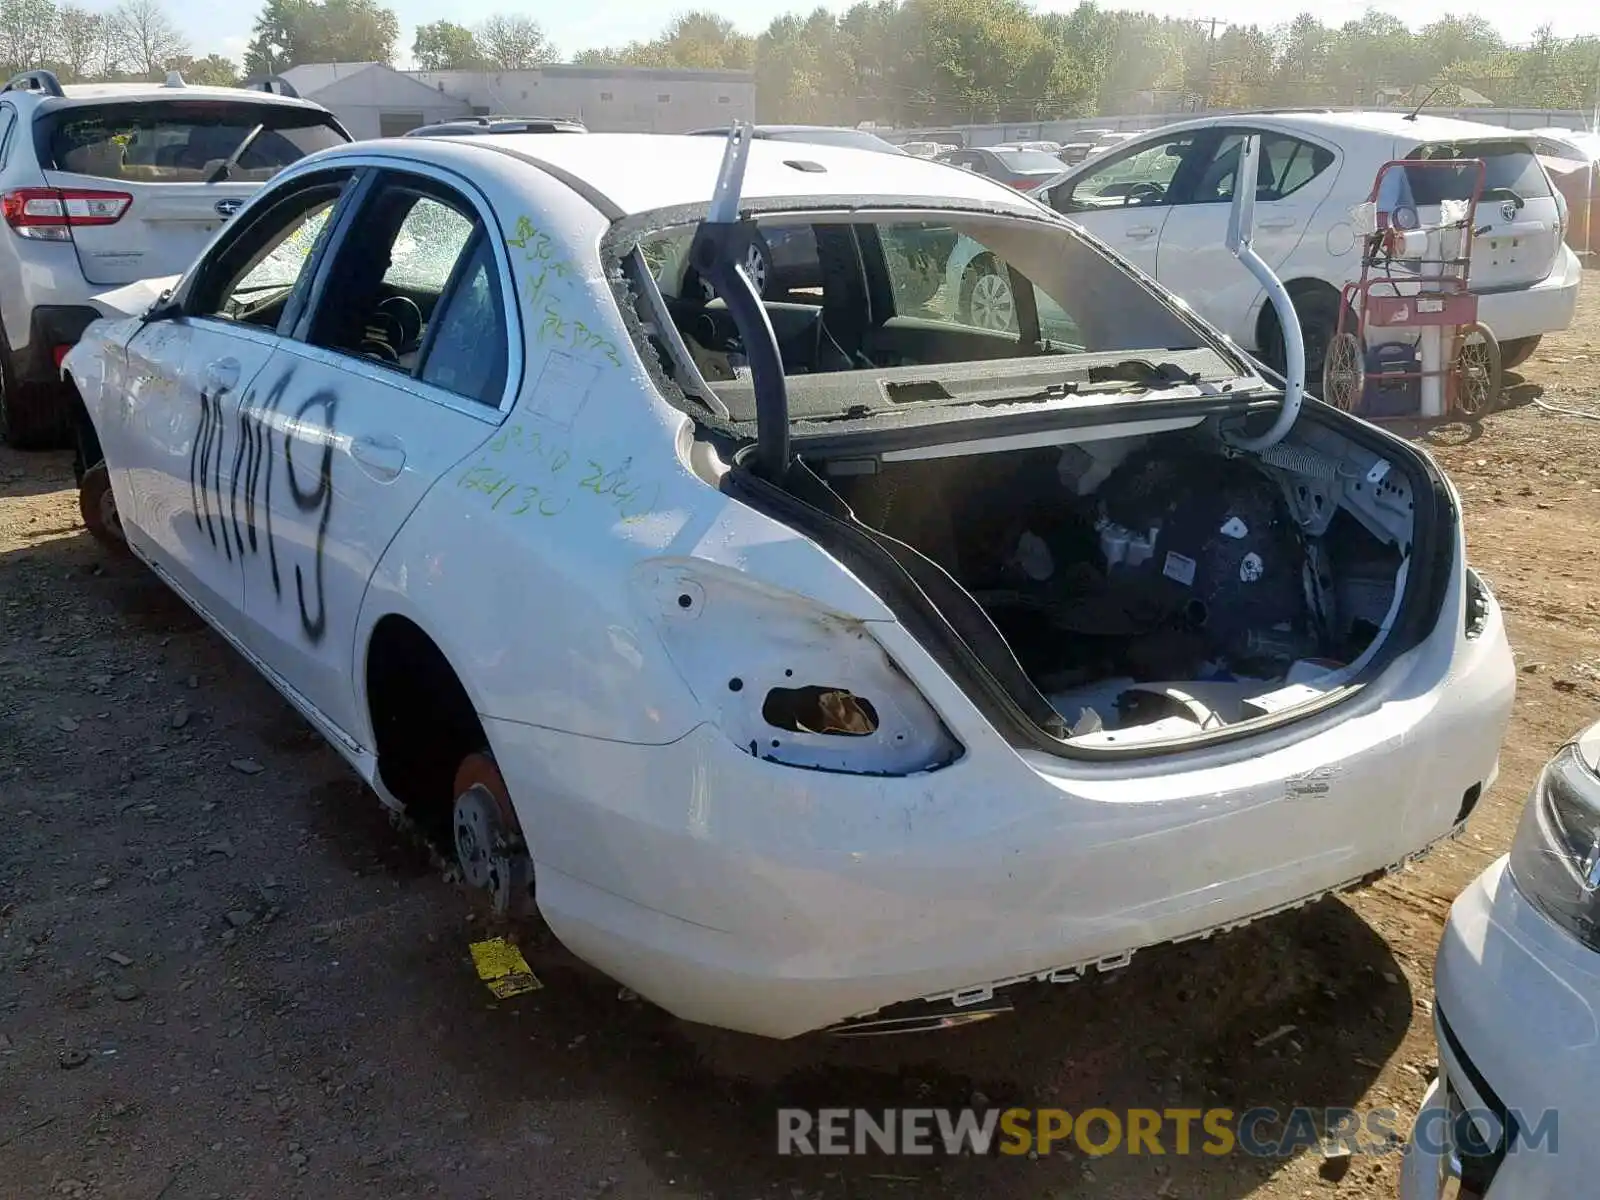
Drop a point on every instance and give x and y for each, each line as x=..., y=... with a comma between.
x=1125, y=197
x=403, y=364
x=180, y=451
x=1293, y=178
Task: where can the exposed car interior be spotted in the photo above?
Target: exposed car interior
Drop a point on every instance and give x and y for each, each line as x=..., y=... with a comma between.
x=1157, y=586
x=410, y=247
x=908, y=293
x=1132, y=587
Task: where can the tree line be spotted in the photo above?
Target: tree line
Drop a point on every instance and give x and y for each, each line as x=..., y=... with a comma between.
x=930, y=62
x=135, y=40
x=898, y=62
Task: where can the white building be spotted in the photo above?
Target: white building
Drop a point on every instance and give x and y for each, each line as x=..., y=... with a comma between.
x=373, y=100
x=608, y=99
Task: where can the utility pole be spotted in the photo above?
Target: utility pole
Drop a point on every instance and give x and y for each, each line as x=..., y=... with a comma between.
x=1211, y=41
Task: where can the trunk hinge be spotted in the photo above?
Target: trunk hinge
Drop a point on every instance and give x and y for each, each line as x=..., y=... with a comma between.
x=1241, y=229
x=719, y=252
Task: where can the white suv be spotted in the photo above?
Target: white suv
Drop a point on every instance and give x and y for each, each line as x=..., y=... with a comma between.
x=103, y=185
x=1162, y=201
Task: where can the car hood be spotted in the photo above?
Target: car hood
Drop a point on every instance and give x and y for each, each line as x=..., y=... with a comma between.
x=135, y=299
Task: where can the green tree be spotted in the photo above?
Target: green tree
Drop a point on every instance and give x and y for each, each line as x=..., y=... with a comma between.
x=446, y=46
x=211, y=71
x=290, y=32
x=145, y=37
x=514, y=43
x=80, y=37
x=275, y=41
x=702, y=40
x=1372, y=53
x=27, y=30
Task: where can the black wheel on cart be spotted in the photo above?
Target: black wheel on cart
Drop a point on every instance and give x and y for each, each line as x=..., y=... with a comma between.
x=1479, y=371
x=1344, y=373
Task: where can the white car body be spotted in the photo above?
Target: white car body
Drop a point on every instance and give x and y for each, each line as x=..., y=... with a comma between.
x=1517, y=1014
x=573, y=551
x=1526, y=278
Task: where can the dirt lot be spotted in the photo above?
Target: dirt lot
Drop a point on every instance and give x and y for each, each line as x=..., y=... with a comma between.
x=223, y=973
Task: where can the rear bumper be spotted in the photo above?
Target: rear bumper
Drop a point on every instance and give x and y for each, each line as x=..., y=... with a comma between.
x=51, y=326
x=1518, y=1023
x=1546, y=307
x=742, y=893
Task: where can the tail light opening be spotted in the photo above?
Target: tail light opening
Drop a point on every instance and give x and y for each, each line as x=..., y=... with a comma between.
x=50, y=214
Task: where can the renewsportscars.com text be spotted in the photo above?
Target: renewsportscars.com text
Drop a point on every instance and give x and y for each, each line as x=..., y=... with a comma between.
x=1258, y=1132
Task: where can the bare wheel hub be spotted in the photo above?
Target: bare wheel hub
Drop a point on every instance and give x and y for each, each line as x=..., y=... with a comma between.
x=490, y=849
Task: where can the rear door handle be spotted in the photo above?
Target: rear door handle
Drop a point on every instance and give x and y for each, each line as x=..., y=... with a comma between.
x=1139, y=232
x=381, y=458
x=1276, y=223
x=222, y=375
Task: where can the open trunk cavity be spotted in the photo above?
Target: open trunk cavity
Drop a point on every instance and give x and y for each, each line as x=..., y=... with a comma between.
x=1127, y=592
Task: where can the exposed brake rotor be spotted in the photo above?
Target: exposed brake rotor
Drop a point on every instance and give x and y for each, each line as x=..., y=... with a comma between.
x=490, y=848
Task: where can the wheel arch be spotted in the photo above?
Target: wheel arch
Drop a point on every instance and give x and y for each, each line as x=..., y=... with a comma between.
x=85, y=437
x=422, y=718
x=1266, y=322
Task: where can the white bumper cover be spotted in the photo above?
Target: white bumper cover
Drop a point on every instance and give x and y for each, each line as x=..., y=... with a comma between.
x=1546, y=307
x=1518, y=1017
x=777, y=900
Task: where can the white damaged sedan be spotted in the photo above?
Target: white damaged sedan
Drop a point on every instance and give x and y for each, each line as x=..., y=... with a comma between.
x=813, y=659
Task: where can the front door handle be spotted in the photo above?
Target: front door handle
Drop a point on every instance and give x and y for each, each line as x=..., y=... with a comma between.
x=1276, y=223
x=381, y=458
x=1139, y=232
x=222, y=375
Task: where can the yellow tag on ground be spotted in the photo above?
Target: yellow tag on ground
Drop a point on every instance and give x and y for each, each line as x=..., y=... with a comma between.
x=502, y=967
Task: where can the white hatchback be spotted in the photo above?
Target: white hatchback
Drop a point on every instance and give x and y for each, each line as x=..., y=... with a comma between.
x=1161, y=200
x=806, y=656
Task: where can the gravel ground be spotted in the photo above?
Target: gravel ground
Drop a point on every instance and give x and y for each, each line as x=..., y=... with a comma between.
x=223, y=973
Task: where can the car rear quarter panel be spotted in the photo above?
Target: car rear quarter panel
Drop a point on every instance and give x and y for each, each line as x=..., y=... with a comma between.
x=521, y=562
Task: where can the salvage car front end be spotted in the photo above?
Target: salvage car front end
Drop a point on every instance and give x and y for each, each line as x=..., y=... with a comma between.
x=1517, y=1008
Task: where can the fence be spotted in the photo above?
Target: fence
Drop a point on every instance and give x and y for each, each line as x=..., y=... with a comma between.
x=1069, y=131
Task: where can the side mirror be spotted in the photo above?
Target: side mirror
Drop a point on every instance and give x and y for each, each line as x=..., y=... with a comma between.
x=164, y=309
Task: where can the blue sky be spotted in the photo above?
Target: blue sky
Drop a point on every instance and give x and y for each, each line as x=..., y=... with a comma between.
x=225, y=28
